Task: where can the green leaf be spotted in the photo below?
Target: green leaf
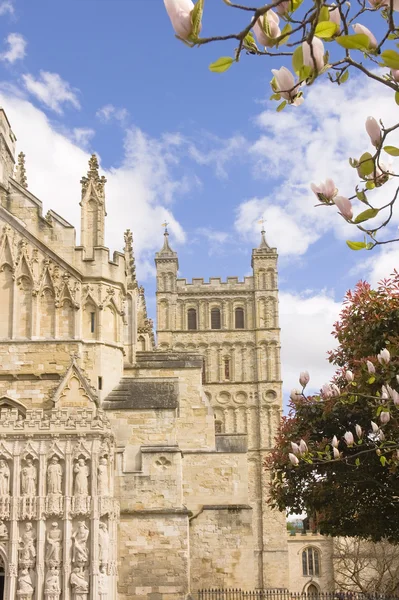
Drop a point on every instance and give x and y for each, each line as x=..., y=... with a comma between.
x=397, y=97
x=361, y=196
x=383, y=460
x=249, y=42
x=281, y=106
x=286, y=31
x=326, y=29
x=370, y=213
x=297, y=59
x=324, y=14
x=390, y=58
x=305, y=72
x=344, y=77
x=358, y=41
x=357, y=462
x=366, y=165
x=371, y=379
x=196, y=18
x=356, y=245
x=221, y=65
x=275, y=97
x=295, y=4
x=370, y=185
x=392, y=150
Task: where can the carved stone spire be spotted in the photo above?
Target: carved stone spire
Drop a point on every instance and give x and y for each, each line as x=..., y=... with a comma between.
x=94, y=177
x=93, y=209
x=263, y=242
x=20, y=171
x=130, y=260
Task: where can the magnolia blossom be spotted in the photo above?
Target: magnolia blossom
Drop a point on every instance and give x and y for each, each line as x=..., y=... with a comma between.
x=303, y=447
x=304, y=378
x=327, y=189
x=349, y=439
x=374, y=131
x=283, y=7
x=334, y=442
x=384, y=356
x=317, y=59
x=326, y=391
x=335, y=16
x=286, y=86
x=395, y=74
x=393, y=394
x=266, y=29
x=349, y=376
x=370, y=367
x=293, y=459
x=359, y=431
x=336, y=453
x=179, y=12
x=295, y=448
x=295, y=395
x=374, y=427
x=384, y=393
x=382, y=3
x=362, y=29
x=345, y=207
x=335, y=390
x=384, y=417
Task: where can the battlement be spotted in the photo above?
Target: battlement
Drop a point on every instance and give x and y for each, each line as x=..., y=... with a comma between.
x=215, y=283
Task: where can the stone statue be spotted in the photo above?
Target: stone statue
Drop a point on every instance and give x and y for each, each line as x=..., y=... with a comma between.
x=102, y=480
x=25, y=584
x=78, y=582
x=4, y=478
x=27, y=541
x=28, y=478
x=103, y=544
x=54, y=477
x=103, y=583
x=54, y=540
x=80, y=552
x=3, y=530
x=52, y=583
x=81, y=470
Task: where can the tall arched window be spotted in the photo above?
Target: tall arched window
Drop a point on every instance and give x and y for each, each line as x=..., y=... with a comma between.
x=226, y=363
x=239, y=318
x=191, y=318
x=311, y=562
x=215, y=318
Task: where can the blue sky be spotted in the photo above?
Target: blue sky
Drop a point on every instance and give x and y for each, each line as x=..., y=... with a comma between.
x=207, y=152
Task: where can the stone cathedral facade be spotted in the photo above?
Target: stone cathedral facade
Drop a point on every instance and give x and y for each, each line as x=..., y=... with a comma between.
x=129, y=471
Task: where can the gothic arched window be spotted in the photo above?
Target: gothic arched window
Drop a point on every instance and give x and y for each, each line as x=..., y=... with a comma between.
x=311, y=562
x=191, y=318
x=226, y=363
x=239, y=318
x=215, y=318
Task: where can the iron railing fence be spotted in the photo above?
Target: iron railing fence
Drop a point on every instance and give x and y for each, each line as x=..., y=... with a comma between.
x=238, y=594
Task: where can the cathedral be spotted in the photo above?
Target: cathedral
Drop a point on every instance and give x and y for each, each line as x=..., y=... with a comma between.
x=130, y=468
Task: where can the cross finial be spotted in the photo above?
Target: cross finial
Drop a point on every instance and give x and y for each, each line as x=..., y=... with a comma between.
x=262, y=222
x=165, y=225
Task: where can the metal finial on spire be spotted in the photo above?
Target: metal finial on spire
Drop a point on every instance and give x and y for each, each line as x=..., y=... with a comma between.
x=20, y=171
x=165, y=225
x=263, y=243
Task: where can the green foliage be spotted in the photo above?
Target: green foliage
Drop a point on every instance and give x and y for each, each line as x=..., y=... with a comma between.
x=366, y=165
x=356, y=245
x=325, y=29
x=390, y=58
x=392, y=150
x=370, y=213
x=358, y=41
x=221, y=64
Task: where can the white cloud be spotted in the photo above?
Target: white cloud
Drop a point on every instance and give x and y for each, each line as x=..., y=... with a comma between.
x=379, y=264
x=16, y=48
x=6, y=7
x=82, y=136
x=310, y=143
x=110, y=112
x=138, y=193
x=51, y=90
x=216, y=152
x=306, y=323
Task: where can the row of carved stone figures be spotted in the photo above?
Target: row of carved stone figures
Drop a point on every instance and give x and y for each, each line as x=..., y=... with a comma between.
x=55, y=477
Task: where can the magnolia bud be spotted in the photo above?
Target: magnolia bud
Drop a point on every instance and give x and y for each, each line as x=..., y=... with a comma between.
x=393, y=394
x=378, y=452
x=334, y=442
x=179, y=12
x=335, y=390
x=304, y=378
x=370, y=367
x=381, y=436
x=397, y=378
x=384, y=393
x=326, y=391
x=349, y=439
x=384, y=417
x=295, y=448
x=374, y=131
x=336, y=453
x=397, y=454
x=293, y=459
x=349, y=376
x=345, y=207
x=359, y=431
x=374, y=427
x=362, y=29
x=303, y=447
x=384, y=356
x=295, y=395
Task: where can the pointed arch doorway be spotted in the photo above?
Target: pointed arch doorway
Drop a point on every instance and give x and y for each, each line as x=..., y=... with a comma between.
x=2, y=580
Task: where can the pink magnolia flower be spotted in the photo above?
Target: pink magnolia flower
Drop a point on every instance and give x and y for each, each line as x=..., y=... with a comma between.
x=295, y=395
x=335, y=17
x=370, y=367
x=374, y=131
x=384, y=417
x=374, y=427
x=334, y=442
x=335, y=390
x=395, y=74
x=327, y=189
x=304, y=378
x=293, y=459
x=303, y=447
x=393, y=394
x=349, y=439
x=362, y=29
x=345, y=207
x=326, y=391
x=384, y=356
x=295, y=448
x=384, y=393
x=349, y=376
x=359, y=431
x=283, y=8
x=318, y=54
x=266, y=29
x=336, y=453
x=179, y=12
x=286, y=86
x=397, y=378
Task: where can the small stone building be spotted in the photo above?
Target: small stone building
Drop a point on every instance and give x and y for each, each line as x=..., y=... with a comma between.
x=127, y=471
